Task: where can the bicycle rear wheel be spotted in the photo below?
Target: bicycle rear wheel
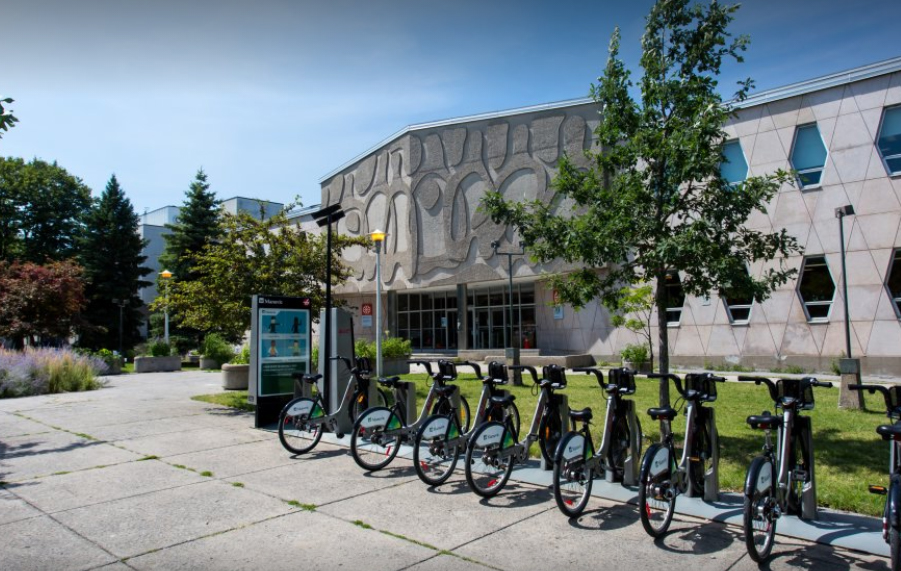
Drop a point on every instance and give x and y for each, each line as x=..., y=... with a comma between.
x=572, y=476
x=296, y=430
x=433, y=458
x=759, y=510
x=487, y=470
x=656, y=496
x=371, y=448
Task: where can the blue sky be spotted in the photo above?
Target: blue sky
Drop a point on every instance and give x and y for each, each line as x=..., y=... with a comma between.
x=269, y=96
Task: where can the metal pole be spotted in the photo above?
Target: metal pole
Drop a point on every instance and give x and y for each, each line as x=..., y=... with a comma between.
x=166, y=330
x=121, y=311
x=841, y=233
x=378, y=308
x=326, y=376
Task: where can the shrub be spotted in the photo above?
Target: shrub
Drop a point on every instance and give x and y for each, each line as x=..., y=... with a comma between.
x=392, y=348
x=216, y=348
x=41, y=371
x=242, y=357
x=159, y=348
x=635, y=353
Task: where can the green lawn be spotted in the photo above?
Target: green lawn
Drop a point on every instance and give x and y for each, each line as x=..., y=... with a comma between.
x=849, y=454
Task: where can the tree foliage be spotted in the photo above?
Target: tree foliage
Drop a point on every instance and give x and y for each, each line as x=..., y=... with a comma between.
x=653, y=200
x=40, y=304
x=633, y=310
x=252, y=256
x=197, y=226
x=7, y=119
x=42, y=210
x=113, y=270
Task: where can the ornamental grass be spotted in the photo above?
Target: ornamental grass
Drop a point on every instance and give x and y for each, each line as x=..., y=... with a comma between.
x=44, y=371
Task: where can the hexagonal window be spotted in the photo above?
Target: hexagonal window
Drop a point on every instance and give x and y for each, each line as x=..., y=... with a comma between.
x=675, y=299
x=738, y=306
x=893, y=282
x=808, y=156
x=734, y=167
x=889, y=140
x=816, y=288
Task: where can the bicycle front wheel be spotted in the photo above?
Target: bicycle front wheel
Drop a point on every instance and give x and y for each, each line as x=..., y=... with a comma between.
x=572, y=475
x=433, y=458
x=370, y=446
x=550, y=431
x=487, y=471
x=656, y=496
x=362, y=403
x=445, y=407
x=297, y=431
x=759, y=510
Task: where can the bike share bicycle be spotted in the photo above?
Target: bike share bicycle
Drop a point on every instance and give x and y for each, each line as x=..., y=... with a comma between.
x=661, y=480
x=891, y=513
x=577, y=462
x=493, y=450
x=781, y=480
x=379, y=432
x=302, y=421
x=442, y=438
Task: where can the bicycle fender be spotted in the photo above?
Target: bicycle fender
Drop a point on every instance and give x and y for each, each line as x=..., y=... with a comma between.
x=760, y=475
x=377, y=417
x=573, y=445
x=489, y=434
x=656, y=460
x=302, y=406
x=437, y=427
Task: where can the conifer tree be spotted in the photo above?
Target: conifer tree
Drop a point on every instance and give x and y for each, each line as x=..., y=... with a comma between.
x=197, y=226
x=113, y=269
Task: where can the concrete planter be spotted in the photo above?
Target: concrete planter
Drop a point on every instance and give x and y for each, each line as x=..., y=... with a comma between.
x=207, y=363
x=157, y=364
x=391, y=367
x=114, y=367
x=642, y=368
x=235, y=377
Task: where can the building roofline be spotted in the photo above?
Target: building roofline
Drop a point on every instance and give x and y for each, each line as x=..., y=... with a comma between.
x=254, y=199
x=792, y=90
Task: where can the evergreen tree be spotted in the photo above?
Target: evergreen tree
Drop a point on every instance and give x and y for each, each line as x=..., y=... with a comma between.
x=111, y=256
x=197, y=226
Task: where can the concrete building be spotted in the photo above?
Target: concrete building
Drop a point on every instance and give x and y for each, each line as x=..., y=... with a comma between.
x=447, y=289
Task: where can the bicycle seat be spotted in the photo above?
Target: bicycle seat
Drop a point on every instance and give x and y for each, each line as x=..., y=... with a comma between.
x=390, y=382
x=764, y=421
x=889, y=431
x=502, y=401
x=667, y=412
x=445, y=390
x=583, y=415
x=311, y=378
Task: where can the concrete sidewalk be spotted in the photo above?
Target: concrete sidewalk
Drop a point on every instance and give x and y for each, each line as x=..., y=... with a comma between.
x=138, y=476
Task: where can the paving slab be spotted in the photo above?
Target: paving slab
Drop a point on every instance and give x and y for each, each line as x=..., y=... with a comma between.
x=138, y=524
x=41, y=543
x=84, y=417
x=446, y=516
x=327, y=475
x=444, y=562
x=304, y=540
x=89, y=487
x=191, y=440
x=36, y=455
x=240, y=459
x=153, y=427
x=13, y=508
x=14, y=425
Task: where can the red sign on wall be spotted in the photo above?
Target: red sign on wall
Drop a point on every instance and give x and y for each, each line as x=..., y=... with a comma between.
x=367, y=309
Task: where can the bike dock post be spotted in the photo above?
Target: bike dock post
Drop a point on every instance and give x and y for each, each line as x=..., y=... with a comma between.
x=408, y=391
x=809, y=492
x=712, y=477
x=632, y=464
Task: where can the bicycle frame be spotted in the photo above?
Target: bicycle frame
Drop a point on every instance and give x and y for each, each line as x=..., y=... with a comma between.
x=330, y=419
x=519, y=451
x=398, y=419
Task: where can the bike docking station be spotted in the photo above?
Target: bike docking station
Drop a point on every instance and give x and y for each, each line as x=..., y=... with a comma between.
x=280, y=347
x=706, y=418
x=624, y=409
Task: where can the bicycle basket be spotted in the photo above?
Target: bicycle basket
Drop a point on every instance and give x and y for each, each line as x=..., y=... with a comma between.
x=701, y=384
x=447, y=369
x=795, y=389
x=623, y=378
x=555, y=374
x=497, y=370
x=364, y=365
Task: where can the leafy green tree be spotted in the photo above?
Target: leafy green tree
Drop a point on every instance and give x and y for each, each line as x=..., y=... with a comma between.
x=7, y=119
x=653, y=200
x=43, y=208
x=197, y=226
x=113, y=264
x=253, y=257
x=40, y=305
x=633, y=310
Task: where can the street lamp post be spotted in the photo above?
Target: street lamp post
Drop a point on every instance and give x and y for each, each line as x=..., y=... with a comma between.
x=326, y=217
x=849, y=367
x=166, y=275
x=378, y=237
x=509, y=341
x=121, y=303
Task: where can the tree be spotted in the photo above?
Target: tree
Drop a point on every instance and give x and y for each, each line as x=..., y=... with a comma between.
x=7, y=119
x=42, y=209
x=653, y=200
x=633, y=310
x=40, y=304
x=253, y=257
x=113, y=268
x=197, y=226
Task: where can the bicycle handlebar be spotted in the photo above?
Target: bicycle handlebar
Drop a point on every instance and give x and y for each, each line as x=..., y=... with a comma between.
x=872, y=389
x=528, y=368
x=591, y=370
x=670, y=377
x=426, y=364
x=475, y=367
x=345, y=359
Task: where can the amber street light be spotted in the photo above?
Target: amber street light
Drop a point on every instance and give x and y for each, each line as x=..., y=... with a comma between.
x=378, y=237
x=166, y=275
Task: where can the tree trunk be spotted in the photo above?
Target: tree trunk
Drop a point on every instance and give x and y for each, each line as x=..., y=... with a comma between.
x=662, y=337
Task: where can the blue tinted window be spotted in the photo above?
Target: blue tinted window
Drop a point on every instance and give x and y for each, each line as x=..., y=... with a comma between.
x=734, y=168
x=808, y=155
x=890, y=139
